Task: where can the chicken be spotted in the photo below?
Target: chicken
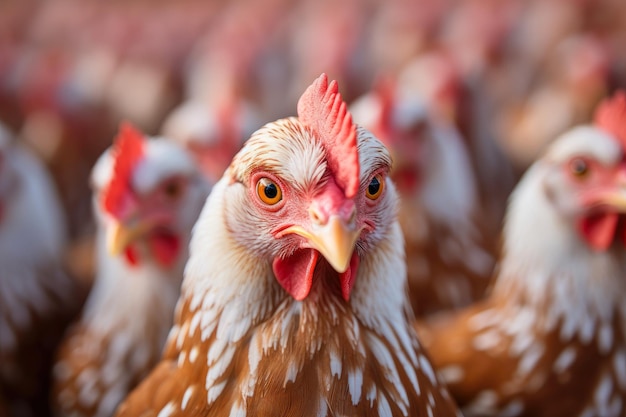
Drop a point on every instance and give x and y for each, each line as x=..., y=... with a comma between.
x=212, y=134
x=437, y=78
x=550, y=339
x=38, y=298
x=293, y=301
x=448, y=254
x=147, y=195
x=567, y=92
x=219, y=111
x=325, y=36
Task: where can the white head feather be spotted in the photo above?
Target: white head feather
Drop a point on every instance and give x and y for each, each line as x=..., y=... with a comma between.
x=544, y=256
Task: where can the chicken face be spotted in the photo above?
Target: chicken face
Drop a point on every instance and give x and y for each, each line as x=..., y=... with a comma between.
x=148, y=198
x=586, y=183
x=299, y=209
x=149, y=220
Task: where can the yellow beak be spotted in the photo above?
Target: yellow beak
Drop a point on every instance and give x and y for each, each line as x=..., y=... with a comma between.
x=335, y=241
x=616, y=200
x=119, y=236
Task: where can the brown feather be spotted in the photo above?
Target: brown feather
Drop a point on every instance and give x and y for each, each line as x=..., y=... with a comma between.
x=176, y=373
x=479, y=346
x=25, y=367
x=443, y=272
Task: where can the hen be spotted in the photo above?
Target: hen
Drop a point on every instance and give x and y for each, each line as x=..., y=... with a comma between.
x=37, y=298
x=147, y=195
x=550, y=340
x=212, y=132
x=293, y=302
x=448, y=253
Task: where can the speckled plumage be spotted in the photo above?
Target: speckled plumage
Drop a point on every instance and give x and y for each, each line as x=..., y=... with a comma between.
x=551, y=338
x=122, y=330
x=449, y=255
x=241, y=345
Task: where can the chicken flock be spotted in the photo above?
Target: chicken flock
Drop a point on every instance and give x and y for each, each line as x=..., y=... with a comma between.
x=195, y=222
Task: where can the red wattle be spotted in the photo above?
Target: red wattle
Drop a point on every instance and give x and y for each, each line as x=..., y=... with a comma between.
x=347, y=278
x=165, y=247
x=599, y=230
x=295, y=273
x=132, y=255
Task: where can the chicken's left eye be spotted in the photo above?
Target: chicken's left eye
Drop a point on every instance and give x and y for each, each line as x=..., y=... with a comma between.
x=269, y=192
x=579, y=168
x=172, y=190
x=375, y=187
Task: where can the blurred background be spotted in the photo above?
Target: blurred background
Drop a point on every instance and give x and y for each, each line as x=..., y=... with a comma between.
x=71, y=70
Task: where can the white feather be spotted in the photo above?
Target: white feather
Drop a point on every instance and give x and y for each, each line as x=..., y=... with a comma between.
x=545, y=256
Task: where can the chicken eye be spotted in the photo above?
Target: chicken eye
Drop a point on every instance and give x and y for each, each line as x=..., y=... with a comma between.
x=269, y=192
x=579, y=168
x=375, y=187
x=172, y=190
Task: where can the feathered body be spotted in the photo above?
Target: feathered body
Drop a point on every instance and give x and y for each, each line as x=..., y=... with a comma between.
x=267, y=326
x=550, y=340
x=128, y=314
x=449, y=255
x=37, y=298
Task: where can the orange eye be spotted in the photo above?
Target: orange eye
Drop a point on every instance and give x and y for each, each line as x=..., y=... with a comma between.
x=375, y=187
x=579, y=168
x=269, y=192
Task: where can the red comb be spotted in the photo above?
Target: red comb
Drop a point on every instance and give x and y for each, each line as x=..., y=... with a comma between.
x=127, y=151
x=610, y=116
x=322, y=110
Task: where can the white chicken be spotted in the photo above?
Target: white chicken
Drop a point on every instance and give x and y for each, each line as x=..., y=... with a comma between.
x=449, y=256
x=294, y=298
x=147, y=195
x=550, y=339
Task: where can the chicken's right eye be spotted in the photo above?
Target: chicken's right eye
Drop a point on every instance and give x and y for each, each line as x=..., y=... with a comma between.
x=269, y=192
x=375, y=187
x=579, y=168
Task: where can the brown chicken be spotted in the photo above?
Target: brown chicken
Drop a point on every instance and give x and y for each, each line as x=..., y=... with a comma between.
x=550, y=340
x=449, y=256
x=293, y=301
x=147, y=195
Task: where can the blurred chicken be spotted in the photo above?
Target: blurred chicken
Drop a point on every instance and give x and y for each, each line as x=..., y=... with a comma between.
x=293, y=301
x=410, y=26
x=326, y=34
x=147, y=195
x=550, y=340
x=437, y=78
x=566, y=93
x=219, y=112
x=37, y=298
x=448, y=255
x=213, y=124
x=213, y=135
